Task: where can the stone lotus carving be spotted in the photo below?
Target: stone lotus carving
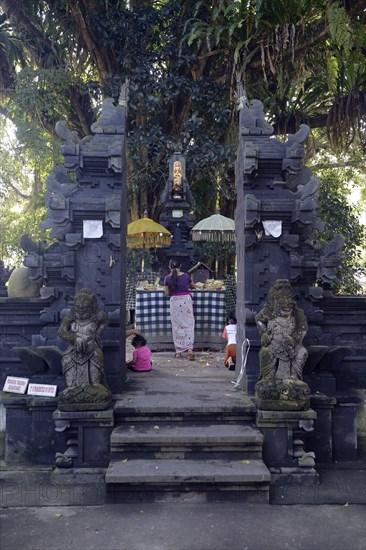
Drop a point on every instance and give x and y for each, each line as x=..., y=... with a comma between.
x=282, y=326
x=82, y=362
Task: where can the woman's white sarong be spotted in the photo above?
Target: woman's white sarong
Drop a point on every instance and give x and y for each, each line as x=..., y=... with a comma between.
x=182, y=318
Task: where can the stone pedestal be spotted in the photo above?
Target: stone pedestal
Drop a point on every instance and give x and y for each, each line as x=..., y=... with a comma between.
x=322, y=382
x=285, y=394
x=283, y=445
x=291, y=467
x=334, y=438
x=87, y=436
x=344, y=428
x=321, y=440
x=30, y=434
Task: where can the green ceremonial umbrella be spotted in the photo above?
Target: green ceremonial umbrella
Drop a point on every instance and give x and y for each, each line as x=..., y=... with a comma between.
x=215, y=229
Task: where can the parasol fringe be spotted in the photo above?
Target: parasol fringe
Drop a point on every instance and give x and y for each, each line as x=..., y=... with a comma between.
x=214, y=236
x=146, y=241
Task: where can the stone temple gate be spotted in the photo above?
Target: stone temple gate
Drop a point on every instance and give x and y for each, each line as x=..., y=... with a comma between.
x=86, y=200
x=276, y=218
x=275, y=222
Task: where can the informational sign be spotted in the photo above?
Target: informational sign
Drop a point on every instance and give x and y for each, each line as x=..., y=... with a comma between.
x=46, y=390
x=92, y=229
x=15, y=385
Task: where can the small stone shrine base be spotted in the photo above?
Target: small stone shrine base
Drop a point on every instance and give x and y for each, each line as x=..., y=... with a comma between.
x=282, y=394
x=95, y=397
x=88, y=438
x=283, y=446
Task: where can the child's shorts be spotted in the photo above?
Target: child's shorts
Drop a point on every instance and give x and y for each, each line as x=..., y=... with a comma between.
x=230, y=352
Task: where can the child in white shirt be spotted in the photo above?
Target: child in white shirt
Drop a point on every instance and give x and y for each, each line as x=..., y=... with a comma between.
x=230, y=334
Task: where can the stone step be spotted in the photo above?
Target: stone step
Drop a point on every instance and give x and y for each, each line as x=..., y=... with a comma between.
x=186, y=440
x=187, y=480
x=144, y=407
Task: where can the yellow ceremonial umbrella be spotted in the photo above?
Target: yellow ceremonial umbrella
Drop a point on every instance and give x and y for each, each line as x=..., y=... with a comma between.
x=145, y=233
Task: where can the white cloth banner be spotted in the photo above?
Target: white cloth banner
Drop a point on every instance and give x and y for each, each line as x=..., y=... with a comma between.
x=92, y=229
x=273, y=228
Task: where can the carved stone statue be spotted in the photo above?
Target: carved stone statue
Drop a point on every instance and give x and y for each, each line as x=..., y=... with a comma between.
x=20, y=285
x=282, y=326
x=82, y=362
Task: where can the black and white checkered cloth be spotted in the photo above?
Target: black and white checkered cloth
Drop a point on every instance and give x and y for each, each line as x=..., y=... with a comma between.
x=133, y=279
x=230, y=293
x=131, y=284
x=153, y=316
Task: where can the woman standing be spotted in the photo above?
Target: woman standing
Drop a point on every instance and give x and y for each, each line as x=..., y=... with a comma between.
x=177, y=286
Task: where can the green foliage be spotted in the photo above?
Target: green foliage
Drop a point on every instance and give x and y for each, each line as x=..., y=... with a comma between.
x=224, y=253
x=22, y=179
x=13, y=225
x=183, y=61
x=136, y=257
x=42, y=92
x=340, y=27
x=340, y=217
x=169, y=107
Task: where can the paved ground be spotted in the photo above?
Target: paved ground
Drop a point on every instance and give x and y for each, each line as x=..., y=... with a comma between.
x=184, y=527
x=206, y=363
x=181, y=525
x=204, y=380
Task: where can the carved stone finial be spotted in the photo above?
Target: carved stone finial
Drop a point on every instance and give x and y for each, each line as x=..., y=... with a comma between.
x=64, y=132
x=111, y=118
x=252, y=119
x=242, y=98
x=82, y=362
x=122, y=100
x=329, y=259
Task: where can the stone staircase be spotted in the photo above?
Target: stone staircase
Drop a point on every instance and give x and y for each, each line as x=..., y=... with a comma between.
x=207, y=449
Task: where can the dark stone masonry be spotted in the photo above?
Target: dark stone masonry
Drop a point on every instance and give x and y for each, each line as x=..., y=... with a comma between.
x=307, y=351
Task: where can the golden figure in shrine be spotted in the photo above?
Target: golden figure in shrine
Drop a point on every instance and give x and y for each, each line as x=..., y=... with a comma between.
x=177, y=188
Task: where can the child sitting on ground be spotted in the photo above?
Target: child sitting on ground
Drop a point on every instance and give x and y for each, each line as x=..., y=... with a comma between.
x=230, y=334
x=141, y=355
